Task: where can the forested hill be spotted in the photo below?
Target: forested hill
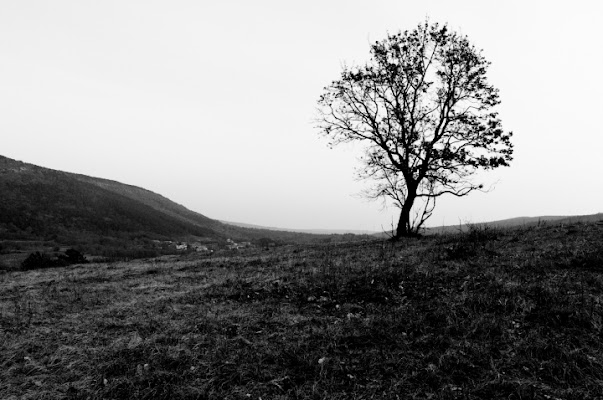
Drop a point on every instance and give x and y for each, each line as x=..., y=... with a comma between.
x=44, y=204
x=153, y=200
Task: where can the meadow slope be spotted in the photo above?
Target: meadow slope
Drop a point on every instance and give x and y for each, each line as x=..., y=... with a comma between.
x=487, y=314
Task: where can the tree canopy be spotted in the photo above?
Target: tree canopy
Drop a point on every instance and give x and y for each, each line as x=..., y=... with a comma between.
x=425, y=112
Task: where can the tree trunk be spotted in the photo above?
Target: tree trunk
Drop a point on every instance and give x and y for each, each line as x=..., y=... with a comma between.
x=404, y=224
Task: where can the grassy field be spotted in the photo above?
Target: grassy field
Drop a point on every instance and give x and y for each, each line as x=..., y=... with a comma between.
x=487, y=314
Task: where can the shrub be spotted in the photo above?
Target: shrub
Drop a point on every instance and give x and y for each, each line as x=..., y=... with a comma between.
x=37, y=260
x=41, y=260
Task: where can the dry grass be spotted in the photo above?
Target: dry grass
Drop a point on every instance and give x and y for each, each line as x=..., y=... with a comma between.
x=489, y=314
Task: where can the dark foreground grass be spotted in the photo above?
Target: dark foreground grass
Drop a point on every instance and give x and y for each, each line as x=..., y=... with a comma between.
x=488, y=314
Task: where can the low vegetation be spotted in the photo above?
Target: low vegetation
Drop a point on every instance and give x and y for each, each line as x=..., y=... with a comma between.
x=42, y=260
x=485, y=314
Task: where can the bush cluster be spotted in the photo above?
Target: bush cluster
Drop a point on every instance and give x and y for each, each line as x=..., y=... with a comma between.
x=42, y=260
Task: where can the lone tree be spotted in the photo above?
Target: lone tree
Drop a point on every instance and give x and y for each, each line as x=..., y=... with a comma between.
x=424, y=111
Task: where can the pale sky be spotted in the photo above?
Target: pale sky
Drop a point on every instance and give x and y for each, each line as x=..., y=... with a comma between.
x=211, y=103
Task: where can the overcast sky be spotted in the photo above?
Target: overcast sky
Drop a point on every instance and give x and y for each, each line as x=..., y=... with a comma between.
x=211, y=103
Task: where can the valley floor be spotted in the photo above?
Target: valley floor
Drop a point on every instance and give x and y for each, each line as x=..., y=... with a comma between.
x=487, y=314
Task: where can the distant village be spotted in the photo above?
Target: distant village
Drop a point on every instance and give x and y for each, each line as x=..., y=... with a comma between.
x=200, y=247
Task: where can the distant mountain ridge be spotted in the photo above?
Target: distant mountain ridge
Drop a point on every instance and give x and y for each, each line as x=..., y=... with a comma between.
x=510, y=222
x=309, y=231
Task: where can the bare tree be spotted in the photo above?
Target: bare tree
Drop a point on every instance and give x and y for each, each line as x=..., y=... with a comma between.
x=425, y=113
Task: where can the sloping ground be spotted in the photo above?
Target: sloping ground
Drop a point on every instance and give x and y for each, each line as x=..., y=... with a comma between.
x=40, y=203
x=489, y=314
x=153, y=200
x=519, y=222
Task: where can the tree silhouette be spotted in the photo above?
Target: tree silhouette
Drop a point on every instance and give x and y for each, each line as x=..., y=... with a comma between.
x=424, y=111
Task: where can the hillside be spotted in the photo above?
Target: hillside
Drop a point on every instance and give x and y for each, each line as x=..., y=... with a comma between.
x=489, y=314
x=518, y=222
x=153, y=200
x=44, y=204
